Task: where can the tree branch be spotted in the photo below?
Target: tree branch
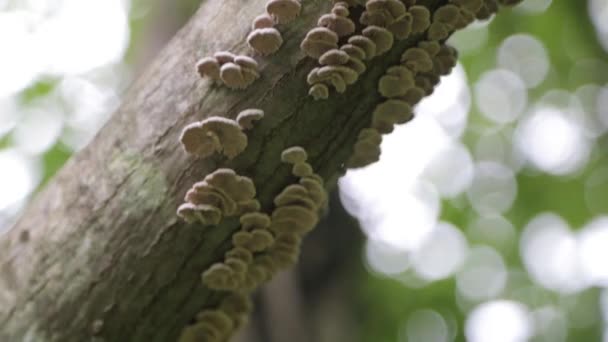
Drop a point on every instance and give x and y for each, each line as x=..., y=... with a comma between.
x=100, y=254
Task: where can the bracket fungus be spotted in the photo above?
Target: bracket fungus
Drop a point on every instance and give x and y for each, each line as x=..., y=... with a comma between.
x=421, y=18
x=341, y=25
x=262, y=21
x=366, y=150
x=283, y=11
x=389, y=113
x=214, y=134
x=318, y=41
x=265, y=41
x=382, y=38
x=209, y=67
x=417, y=59
x=365, y=44
x=236, y=72
x=247, y=117
x=221, y=193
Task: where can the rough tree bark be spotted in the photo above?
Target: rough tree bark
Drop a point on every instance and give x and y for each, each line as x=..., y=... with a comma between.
x=100, y=254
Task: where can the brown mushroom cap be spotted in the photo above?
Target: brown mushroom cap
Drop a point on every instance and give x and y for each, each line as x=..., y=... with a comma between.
x=251, y=221
x=394, y=86
x=414, y=95
x=382, y=38
x=214, y=134
x=247, y=117
x=402, y=28
x=205, y=214
x=240, y=253
x=318, y=41
x=208, y=67
x=262, y=21
x=302, y=170
x=233, y=77
x=365, y=44
x=421, y=18
x=366, y=150
x=265, y=41
x=293, y=218
x=224, y=57
x=341, y=25
x=341, y=9
x=199, y=141
x=283, y=11
x=315, y=188
x=334, y=57
x=389, y=113
x=319, y=91
x=357, y=65
x=218, y=319
x=417, y=60
x=469, y=5
x=208, y=195
x=438, y=31
x=353, y=51
x=239, y=188
x=294, y=155
x=295, y=194
x=431, y=47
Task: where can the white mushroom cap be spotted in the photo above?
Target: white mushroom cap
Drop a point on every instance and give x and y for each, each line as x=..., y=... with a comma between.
x=265, y=41
x=262, y=21
x=342, y=26
x=422, y=18
x=382, y=37
x=294, y=155
x=247, y=117
x=334, y=57
x=283, y=11
x=209, y=67
x=319, y=91
x=365, y=44
x=318, y=41
x=224, y=57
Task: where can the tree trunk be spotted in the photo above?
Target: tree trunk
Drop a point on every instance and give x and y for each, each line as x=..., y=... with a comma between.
x=100, y=253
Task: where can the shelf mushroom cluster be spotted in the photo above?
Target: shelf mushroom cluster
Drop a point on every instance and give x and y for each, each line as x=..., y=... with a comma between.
x=268, y=242
x=234, y=71
x=265, y=38
x=419, y=70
